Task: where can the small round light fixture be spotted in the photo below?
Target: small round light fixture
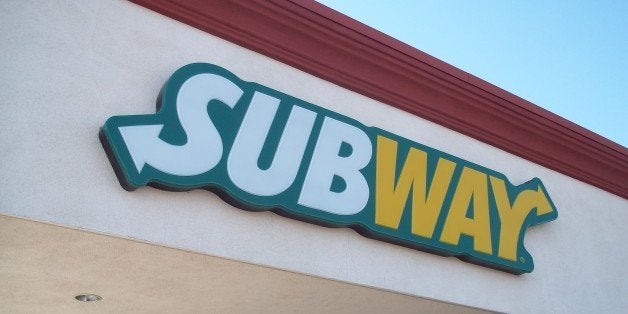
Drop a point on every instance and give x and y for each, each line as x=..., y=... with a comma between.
x=88, y=297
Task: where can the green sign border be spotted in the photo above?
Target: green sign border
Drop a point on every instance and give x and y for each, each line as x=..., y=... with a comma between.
x=228, y=120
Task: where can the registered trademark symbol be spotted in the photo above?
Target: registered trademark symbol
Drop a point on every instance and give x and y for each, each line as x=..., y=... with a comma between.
x=521, y=259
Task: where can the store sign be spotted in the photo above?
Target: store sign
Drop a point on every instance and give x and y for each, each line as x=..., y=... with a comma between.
x=265, y=150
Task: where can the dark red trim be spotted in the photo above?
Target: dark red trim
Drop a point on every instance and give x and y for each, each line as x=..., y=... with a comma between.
x=334, y=47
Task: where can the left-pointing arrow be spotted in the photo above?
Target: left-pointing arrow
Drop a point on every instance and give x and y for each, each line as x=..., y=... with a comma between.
x=142, y=141
x=203, y=149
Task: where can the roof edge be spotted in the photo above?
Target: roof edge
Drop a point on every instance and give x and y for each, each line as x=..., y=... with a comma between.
x=318, y=40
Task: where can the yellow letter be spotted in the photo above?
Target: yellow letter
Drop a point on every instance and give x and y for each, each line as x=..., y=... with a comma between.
x=512, y=217
x=472, y=185
x=391, y=198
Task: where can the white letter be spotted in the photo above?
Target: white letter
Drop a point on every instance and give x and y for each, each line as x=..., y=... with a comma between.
x=247, y=146
x=203, y=148
x=326, y=163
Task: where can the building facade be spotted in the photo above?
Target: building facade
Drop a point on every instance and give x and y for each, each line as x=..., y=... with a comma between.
x=69, y=227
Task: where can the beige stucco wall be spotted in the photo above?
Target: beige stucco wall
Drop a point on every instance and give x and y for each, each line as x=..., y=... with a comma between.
x=65, y=67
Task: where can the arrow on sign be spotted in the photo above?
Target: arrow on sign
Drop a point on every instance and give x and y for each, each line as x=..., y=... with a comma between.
x=203, y=149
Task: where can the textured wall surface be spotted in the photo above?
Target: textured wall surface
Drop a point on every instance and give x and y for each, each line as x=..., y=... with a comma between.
x=66, y=67
x=38, y=261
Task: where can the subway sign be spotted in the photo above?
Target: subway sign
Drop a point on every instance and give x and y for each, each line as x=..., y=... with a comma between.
x=261, y=149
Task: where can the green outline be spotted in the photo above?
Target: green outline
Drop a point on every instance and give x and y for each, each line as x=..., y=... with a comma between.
x=216, y=180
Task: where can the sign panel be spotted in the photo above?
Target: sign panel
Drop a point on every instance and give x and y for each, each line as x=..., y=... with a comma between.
x=261, y=149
